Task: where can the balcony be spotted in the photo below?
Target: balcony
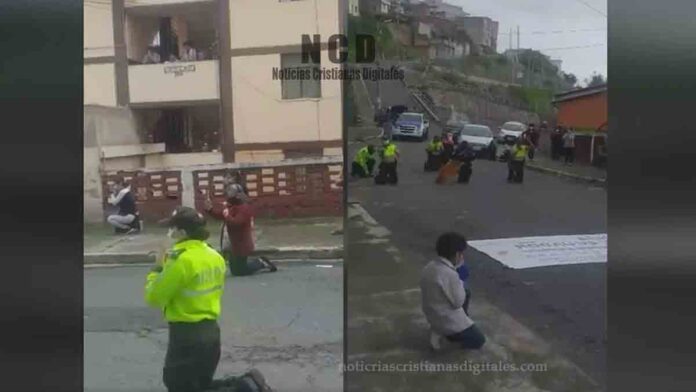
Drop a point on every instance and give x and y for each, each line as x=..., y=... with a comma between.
x=153, y=85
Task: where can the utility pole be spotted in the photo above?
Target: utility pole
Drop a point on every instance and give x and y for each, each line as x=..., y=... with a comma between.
x=512, y=57
x=379, y=93
x=518, y=37
x=517, y=53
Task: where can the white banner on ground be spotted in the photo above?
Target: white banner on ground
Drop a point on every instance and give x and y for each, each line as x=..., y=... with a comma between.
x=530, y=252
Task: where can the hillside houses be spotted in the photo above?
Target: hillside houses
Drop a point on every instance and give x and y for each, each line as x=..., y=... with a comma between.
x=434, y=28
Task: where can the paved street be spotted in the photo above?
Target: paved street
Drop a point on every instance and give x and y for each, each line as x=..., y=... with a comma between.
x=565, y=305
x=288, y=324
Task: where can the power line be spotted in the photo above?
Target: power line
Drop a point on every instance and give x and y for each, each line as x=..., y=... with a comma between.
x=557, y=31
x=583, y=2
x=574, y=47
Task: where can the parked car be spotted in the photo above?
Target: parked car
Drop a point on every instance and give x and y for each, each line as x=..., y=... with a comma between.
x=510, y=131
x=480, y=139
x=455, y=127
x=410, y=124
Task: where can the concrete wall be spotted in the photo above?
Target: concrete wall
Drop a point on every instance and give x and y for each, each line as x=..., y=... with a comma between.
x=92, y=190
x=249, y=20
x=156, y=82
x=109, y=127
x=163, y=161
x=262, y=156
x=256, y=95
x=99, y=84
x=124, y=163
x=104, y=126
x=337, y=152
x=481, y=111
x=97, y=21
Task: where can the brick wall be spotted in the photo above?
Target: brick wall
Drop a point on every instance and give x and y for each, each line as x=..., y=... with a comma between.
x=276, y=191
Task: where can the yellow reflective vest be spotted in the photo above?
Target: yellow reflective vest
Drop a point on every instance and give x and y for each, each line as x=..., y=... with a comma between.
x=519, y=153
x=389, y=153
x=435, y=147
x=362, y=157
x=189, y=286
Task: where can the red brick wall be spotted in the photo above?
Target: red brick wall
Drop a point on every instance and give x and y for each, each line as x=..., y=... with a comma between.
x=281, y=191
x=275, y=191
x=588, y=112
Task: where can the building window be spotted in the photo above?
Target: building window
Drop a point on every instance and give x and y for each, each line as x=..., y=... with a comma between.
x=301, y=82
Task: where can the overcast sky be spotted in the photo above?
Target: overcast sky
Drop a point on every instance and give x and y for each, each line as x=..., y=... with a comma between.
x=551, y=17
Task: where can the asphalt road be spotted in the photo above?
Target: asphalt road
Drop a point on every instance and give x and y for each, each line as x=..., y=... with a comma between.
x=288, y=324
x=563, y=304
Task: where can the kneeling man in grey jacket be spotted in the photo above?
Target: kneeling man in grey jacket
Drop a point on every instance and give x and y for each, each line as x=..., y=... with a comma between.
x=443, y=296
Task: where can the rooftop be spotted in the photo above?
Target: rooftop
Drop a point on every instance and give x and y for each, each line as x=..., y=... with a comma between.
x=579, y=93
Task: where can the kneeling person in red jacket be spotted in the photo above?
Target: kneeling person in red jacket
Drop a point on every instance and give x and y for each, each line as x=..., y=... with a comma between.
x=239, y=222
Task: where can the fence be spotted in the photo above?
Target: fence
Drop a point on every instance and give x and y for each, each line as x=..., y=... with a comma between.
x=276, y=191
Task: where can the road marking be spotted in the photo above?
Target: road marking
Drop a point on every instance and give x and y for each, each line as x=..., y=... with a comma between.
x=531, y=252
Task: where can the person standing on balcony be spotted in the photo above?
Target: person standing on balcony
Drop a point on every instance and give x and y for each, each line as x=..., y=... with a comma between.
x=190, y=53
x=152, y=56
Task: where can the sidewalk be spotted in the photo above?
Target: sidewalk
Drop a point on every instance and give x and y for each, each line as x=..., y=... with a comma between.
x=386, y=327
x=582, y=172
x=289, y=239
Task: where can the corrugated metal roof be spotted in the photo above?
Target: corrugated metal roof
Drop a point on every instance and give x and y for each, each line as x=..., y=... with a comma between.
x=579, y=93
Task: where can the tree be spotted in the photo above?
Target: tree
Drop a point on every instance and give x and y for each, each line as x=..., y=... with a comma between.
x=571, y=79
x=595, y=80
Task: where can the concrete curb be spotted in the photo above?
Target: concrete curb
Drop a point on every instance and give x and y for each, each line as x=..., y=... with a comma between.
x=288, y=262
x=600, y=181
x=280, y=254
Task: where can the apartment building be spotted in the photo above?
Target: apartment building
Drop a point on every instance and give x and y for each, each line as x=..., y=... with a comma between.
x=445, y=10
x=220, y=106
x=483, y=32
x=225, y=106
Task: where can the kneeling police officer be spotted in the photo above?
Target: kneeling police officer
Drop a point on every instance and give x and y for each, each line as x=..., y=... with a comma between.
x=187, y=285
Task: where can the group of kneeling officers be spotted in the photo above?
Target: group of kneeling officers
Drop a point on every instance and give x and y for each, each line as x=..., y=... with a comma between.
x=444, y=155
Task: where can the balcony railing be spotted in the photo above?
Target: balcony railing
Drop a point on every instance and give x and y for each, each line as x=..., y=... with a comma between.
x=174, y=82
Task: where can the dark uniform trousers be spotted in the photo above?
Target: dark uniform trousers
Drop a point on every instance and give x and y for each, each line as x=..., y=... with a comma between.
x=516, y=171
x=192, y=356
x=390, y=172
